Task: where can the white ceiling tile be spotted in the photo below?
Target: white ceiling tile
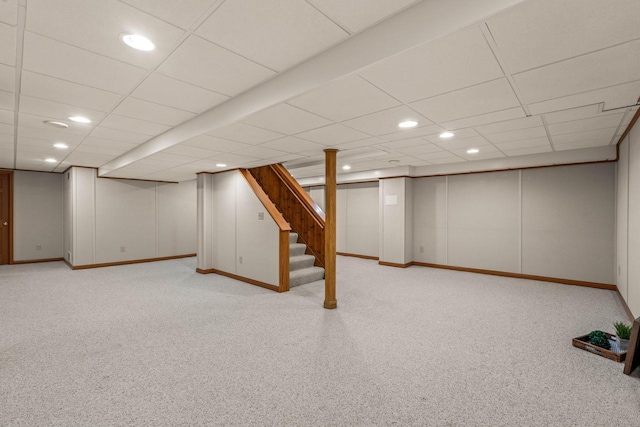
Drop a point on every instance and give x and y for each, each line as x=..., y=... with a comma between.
x=526, y=151
x=600, y=135
x=186, y=150
x=44, y=132
x=292, y=144
x=214, y=144
x=145, y=110
x=572, y=114
x=412, y=133
x=182, y=13
x=447, y=160
x=174, y=93
x=509, y=125
x=594, y=123
x=459, y=144
x=517, y=135
x=486, y=152
x=88, y=159
x=107, y=143
x=46, y=56
x=458, y=134
x=359, y=143
x=484, y=98
x=358, y=14
x=247, y=134
x=403, y=143
x=55, y=110
x=483, y=119
x=259, y=152
x=173, y=159
x=286, y=119
x=344, y=99
x=333, y=134
x=7, y=78
x=435, y=155
x=100, y=149
x=424, y=148
x=53, y=89
x=584, y=143
x=463, y=59
x=609, y=67
x=252, y=27
x=9, y=12
x=540, y=32
x=119, y=135
x=7, y=100
x=613, y=97
x=524, y=143
x=8, y=45
x=36, y=122
x=97, y=25
x=25, y=141
x=6, y=129
x=6, y=116
x=34, y=165
x=196, y=59
x=386, y=121
x=129, y=124
x=230, y=159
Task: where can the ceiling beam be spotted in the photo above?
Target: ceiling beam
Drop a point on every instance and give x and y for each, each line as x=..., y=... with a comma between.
x=416, y=25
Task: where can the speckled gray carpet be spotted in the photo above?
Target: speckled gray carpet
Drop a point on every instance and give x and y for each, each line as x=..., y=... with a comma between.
x=158, y=344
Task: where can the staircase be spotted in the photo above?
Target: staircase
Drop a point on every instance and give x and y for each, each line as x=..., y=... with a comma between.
x=301, y=265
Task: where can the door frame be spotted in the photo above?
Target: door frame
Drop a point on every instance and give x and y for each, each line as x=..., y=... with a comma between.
x=10, y=173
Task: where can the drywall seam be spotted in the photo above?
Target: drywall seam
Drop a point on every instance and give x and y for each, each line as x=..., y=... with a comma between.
x=520, y=221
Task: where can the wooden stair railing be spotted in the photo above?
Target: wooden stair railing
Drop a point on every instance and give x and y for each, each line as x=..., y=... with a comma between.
x=297, y=207
x=283, y=226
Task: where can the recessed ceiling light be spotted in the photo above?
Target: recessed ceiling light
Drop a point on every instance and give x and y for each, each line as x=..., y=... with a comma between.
x=138, y=42
x=55, y=124
x=60, y=145
x=346, y=167
x=472, y=151
x=446, y=135
x=221, y=165
x=50, y=160
x=79, y=119
x=408, y=124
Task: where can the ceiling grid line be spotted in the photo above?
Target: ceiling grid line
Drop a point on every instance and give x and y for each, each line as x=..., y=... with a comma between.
x=20, y=29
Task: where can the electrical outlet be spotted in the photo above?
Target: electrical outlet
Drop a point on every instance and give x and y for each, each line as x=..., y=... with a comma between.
x=122, y=248
x=261, y=216
x=38, y=247
x=240, y=260
x=421, y=249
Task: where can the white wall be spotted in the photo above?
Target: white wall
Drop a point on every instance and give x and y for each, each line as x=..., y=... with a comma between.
x=430, y=220
x=231, y=236
x=37, y=215
x=396, y=220
x=115, y=220
x=628, y=244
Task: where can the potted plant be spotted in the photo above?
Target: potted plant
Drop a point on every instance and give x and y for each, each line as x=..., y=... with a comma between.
x=624, y=333
x=599, y=339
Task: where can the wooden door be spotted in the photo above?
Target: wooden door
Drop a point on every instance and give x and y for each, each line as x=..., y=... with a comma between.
x=5, y=212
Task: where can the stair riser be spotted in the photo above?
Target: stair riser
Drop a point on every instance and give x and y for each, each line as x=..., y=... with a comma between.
x=293, y=238
x=297, y=250
x=313, y=277
x=299, y=265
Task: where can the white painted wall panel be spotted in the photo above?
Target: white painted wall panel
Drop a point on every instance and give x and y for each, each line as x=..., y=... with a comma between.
x=484, y=221
x=317, y=194
x=341, y=218
x=224, y=221
x=430, y=220
x=360, y=218
x=177, y=218
x=84, y=215
x=568, y=222
x=393, y=216
x=633, y=284
x=125, y=217
x=622, y=217
x=38, y=215
x=67, y=214
x=205, y=229
x=408, y=221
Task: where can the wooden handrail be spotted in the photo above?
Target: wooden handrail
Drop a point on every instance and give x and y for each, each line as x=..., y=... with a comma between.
x=266, y=202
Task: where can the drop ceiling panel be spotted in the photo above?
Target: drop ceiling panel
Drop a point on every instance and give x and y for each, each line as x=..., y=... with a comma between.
x=46, y=143
x=174, y=93
x=345, y=99
x=53, y=89
x=7, y=78
x=524, y=143
x=354, y=15
x=517, y=135
x=6, y=129
x=424, y=148
x=528, y=35
x=214, y=144
x=600, y=135
x=119, y=135
x=36, y=122
x=230, y=159
x=185, y=150
x=6, y=116
x=359, y=143
x=96, y=26
x=606, y=121
x=447, y=160
x=613, y=97
x=333, y=134
x=412, y=133
x=52, y=58
x=482, y=119
x=486, y=152
x=252, y=27
x=182, y=13
x=145, y=110
x=572, y=114
x=102, y=149
x=129, y=124
x=9, y=12
x=459, y=134
x=463, y=59
x=286, y=119
x=107, y=143
x=584, y=143
x=527, y=151
x=8, y=45
x=7, y=100
x=460, y=144
x=259, y=152
x=45, y=133
x=247, y=134
x=55, y=110
x=196, y=59
x=170, y=159
x=596, y=70
x=509, y=125
x=292, y=144
x=386, y=121
x=403, y=143
x=484, y=98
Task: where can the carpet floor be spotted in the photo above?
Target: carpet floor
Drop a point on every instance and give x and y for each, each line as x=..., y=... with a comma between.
x=158, y=344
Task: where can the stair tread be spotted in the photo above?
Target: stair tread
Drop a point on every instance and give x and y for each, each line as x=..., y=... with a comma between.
x=307, y=270
x=300, y=257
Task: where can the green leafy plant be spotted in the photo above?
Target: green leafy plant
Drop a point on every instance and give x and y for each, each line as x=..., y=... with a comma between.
x=599, y=339
x=622, y=330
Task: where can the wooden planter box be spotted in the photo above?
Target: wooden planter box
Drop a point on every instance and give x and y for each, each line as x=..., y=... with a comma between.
x=583, y=343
